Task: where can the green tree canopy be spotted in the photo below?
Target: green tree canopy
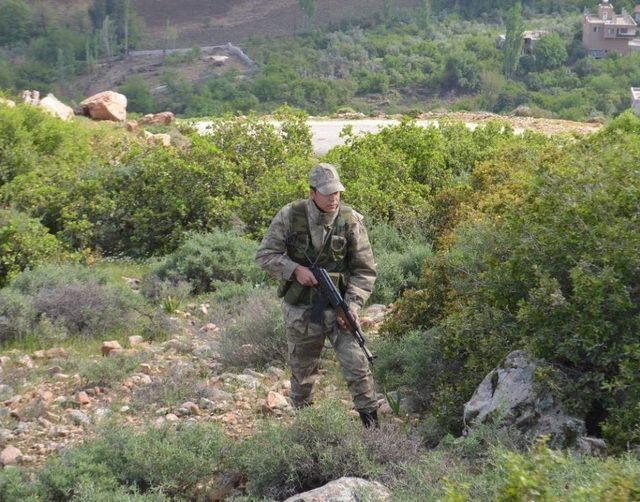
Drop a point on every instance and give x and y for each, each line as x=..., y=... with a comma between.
x=15, y=21
x=549, y=52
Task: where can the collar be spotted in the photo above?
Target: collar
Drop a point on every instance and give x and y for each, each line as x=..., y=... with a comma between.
x=317, y=217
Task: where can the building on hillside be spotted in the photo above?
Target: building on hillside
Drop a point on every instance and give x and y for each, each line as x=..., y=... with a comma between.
x=530, y=38
x=607, y=32
x=635, y=100
x=636, y=14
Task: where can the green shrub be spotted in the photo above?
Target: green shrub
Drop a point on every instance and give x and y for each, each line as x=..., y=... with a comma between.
x=254, y=334
x=205, y=259
x=24, y=242
x=167, y=461
x=108, y=371
x=180, y=383
x=17, y=315
x=320, y=446
x=399, y=258
x=77, y=300
x=546, y=262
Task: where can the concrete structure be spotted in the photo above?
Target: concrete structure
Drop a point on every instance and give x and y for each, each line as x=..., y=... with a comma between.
x=530, y=38
x=636, y=14
x=635, y=100
x=608, y=32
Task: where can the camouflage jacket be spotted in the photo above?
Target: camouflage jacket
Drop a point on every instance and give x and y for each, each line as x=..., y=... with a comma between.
x=272, y=253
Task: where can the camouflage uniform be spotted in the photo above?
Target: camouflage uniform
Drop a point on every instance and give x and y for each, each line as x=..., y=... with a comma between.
x=340, y=241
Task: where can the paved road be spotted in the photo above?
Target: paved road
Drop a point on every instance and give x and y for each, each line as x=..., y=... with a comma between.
x=326, y=133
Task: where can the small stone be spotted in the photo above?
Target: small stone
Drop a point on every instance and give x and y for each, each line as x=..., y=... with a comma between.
x=4, y=360
x=57, y=352
x=102, y=412
x=53, y=370
x=39, y=354
x=170, y=417
x=61, y=376
x=145, y=368
x=204, y=308
x=276, y=401
x=131, y=125
x=135, y=340
x=46, y=396
x=230, y=418
x=10, y=456
x=110, y=346
x=183, y=411
x=25, y=361
x=192, y=407
x=124, y=409
x=162, y=411
x=82, y=398
x=277, y=372
x=79, y=418
x=209, y=328
x=160, y=422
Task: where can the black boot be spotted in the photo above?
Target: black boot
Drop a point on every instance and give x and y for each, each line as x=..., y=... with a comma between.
x=369, y=419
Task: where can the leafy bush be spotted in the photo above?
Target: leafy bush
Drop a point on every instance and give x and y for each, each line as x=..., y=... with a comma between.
x=254, y=334
x=24, y=242
x=493, y=470
x=108, y=371
x=546, y=263
x=206, y=259
x=75, y=299
x=320, y=446
x=399, y=259
x=166, y=461
x=180, y=383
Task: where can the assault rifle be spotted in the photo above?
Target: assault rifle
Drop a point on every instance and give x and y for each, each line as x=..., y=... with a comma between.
x=328, y=290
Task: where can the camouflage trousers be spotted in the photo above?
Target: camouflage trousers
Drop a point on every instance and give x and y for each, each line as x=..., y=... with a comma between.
x=306, y=340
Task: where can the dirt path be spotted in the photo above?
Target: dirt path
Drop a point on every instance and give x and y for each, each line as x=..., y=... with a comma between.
x=326, y=132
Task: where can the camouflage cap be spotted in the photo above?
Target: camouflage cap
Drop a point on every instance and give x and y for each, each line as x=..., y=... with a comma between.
x=325, y=179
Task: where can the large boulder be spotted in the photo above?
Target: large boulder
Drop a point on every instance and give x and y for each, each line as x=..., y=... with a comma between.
x=508, y=395
x=107, y=105
x=56, y=107
x=344, y=490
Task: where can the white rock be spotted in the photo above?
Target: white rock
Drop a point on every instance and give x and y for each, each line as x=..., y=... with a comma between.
x=345, y=490
x=56, y=107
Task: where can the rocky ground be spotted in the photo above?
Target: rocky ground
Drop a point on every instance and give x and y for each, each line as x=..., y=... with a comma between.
x=53, y=398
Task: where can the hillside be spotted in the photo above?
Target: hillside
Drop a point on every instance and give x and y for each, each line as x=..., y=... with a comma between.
x=213, y=22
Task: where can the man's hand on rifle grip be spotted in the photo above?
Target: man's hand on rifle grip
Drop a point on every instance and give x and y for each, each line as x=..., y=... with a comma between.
x=305, y=277
x=342, y=320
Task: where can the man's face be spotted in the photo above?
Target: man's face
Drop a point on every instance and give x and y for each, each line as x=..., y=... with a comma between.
x=326, y=203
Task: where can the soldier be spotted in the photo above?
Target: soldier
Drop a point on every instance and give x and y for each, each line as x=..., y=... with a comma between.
x=324, y=231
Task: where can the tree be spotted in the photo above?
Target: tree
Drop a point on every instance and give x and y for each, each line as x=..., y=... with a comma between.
x=15, y=21
x=424, y=13
x=549, y=52
x=514, y=41
x=308, y=7
x=171, y=36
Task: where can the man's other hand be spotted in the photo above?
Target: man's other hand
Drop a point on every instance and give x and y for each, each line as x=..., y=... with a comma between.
x=304, y=276
x=342, y=319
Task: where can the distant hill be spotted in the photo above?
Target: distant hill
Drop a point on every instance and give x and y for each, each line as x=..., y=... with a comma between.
x=212, y=22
